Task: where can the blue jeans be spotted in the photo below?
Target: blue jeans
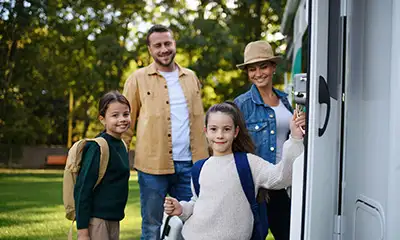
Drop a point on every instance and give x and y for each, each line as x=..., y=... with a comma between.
x=153, y=190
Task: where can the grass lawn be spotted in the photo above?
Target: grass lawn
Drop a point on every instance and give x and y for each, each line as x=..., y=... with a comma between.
x=31, y=206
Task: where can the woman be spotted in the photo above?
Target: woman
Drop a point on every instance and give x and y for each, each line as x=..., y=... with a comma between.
x=267, y=113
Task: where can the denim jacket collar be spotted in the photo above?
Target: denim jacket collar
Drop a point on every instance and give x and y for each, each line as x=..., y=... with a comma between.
x=256, y=96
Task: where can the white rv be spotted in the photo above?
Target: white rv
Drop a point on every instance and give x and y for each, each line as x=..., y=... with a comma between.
x=348, y=186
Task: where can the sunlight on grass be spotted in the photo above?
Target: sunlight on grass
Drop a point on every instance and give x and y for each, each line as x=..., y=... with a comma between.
x=31, y=206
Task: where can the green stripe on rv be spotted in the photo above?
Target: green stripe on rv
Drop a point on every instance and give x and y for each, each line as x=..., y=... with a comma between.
x=296, y=66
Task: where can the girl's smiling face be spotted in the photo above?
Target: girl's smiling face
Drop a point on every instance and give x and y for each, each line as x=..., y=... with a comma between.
x=220, y=132
x=117, y=119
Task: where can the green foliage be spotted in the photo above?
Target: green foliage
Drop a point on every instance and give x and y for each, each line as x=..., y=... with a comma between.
x=90, y=47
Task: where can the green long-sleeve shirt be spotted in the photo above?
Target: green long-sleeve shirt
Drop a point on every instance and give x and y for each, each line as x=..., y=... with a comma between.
x=108, y=200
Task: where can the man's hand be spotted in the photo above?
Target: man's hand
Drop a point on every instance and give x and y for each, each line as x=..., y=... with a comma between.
x=172, y=207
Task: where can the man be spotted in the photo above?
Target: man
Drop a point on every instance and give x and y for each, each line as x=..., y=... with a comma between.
x=168, y=113
x=267, y=113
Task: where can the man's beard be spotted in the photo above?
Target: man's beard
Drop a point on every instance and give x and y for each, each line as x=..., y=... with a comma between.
x=165, y=64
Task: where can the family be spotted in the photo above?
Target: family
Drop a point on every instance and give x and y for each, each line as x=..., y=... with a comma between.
x=161, y=105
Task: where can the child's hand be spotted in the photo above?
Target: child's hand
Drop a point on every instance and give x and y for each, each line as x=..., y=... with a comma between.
x=297, y=124
x=83, y=234
x=172, y=207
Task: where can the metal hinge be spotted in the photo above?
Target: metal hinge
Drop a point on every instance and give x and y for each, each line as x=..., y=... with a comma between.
x=337, y=231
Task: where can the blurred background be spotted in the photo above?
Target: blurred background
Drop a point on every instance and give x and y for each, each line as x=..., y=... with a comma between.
x=58, y=57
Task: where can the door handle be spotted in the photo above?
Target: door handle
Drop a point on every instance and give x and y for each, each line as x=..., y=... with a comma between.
x=324, y=97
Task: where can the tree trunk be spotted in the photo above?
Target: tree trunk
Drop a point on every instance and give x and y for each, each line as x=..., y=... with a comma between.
x=86, y=120
x=258, y=25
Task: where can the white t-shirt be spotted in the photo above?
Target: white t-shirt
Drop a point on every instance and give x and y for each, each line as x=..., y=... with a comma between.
x=283, y=117
x=179, y=118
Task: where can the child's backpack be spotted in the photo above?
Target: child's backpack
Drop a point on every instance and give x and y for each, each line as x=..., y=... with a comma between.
x=260, y=227
x=72, y=168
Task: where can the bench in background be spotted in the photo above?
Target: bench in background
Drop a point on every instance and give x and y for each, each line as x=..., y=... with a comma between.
x=56, y=160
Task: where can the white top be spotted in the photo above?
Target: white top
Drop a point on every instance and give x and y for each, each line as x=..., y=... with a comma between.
x=222, y=211
x=283, y=117
x=179, y=118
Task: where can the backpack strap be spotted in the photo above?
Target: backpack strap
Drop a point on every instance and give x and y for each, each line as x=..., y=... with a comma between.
x=71, y=230
x=104, y=157
x=246, y=179
x=196, y=168
x=126, y=146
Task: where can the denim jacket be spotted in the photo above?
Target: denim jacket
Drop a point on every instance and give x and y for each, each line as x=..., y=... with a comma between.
x=260, y=121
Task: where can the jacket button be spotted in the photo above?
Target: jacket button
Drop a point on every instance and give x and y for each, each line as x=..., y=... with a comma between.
x=256, y=127
x=170, y=151
x=271, y=115
x=272, y=132
x=272, y=149
x=168, y=118
x=167, y=102
x=169, y=135
x=165, y=86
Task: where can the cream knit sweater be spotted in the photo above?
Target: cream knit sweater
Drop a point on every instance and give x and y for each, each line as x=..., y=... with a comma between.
x=222, y=212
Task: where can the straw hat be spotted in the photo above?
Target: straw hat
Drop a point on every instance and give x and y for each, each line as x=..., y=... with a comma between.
x=258, y=51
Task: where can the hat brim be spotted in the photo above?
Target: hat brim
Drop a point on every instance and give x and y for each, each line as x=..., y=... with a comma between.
x=275, y=59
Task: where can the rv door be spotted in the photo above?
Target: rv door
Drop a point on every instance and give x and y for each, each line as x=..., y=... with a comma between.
x=322, y=156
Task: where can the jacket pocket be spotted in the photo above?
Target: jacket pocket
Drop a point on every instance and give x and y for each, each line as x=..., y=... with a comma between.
x=258, y=132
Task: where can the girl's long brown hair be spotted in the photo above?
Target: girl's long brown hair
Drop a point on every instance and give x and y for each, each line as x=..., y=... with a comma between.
x=243, y=141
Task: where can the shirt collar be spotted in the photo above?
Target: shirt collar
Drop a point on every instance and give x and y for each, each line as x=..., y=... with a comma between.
x=151, y=70
x=256, y=96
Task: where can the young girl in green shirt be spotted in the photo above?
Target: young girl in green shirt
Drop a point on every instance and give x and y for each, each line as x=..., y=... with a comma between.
x=99, y=210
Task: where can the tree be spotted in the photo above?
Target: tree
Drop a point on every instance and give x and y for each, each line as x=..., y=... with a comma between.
x=50, y=49
x=212, y=39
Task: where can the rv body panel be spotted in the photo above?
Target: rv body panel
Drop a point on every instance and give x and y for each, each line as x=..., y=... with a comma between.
x=350, y=175
x=372, y=121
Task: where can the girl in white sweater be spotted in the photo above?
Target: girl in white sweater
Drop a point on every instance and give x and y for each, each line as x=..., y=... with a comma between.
x=221, y=211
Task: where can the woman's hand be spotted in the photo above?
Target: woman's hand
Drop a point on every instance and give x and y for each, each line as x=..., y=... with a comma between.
x=297, y=124
x=172, y=207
